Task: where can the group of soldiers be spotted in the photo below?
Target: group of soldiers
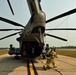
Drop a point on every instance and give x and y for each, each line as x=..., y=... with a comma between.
x=50, y=55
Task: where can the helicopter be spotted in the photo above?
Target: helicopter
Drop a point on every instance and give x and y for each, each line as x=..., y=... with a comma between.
x=31, y=40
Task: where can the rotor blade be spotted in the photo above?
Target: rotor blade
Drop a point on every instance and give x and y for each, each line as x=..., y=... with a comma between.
x=10, y=29
x=9, y=35
x=61, y=29
x=56, y=37
x=62, y=15
x=10, y=6
x=11, y=22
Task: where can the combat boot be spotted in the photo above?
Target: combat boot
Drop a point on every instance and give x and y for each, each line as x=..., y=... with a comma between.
x=45, y=67
x=54, y=66
x=48, y=67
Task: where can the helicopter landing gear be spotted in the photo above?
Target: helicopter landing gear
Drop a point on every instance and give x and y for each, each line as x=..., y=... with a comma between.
x=17, y=57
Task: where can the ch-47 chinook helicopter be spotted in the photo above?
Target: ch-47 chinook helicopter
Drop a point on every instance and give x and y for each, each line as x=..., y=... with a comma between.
x=32, y=35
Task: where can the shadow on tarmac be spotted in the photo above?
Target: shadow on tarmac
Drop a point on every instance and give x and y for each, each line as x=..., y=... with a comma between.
x=10, y=64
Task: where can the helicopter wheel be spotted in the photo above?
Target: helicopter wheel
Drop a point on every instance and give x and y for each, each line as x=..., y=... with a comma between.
x=17, y=57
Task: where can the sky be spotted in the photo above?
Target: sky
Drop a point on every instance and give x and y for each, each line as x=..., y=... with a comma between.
x=51, y=8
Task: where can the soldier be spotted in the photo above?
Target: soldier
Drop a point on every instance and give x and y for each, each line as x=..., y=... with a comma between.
x=50, y=59
x=47, y=48
x=11, y=50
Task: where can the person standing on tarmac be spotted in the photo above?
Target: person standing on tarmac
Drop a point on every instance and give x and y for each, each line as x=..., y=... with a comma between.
x=50, y=59
x=11, y=50
x=46, y=51
x=47, y=48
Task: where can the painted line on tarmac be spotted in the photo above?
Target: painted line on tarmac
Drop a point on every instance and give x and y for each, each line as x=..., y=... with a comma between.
x=31, y=68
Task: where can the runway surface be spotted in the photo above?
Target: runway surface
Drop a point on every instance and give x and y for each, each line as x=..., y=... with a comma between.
x=10, y=66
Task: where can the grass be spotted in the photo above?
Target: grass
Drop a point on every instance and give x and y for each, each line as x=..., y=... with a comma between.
x=71, y=53
x=66, y=52
x=3, y=51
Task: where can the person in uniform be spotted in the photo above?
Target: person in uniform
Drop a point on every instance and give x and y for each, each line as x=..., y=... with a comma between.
x=47, y=48
x=45, y=51
x=11, y=50
x=50, y=59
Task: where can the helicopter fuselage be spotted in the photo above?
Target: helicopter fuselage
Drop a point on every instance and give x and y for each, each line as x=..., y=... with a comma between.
x=32, y=36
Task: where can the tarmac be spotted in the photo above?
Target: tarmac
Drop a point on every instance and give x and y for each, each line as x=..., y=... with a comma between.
x=10, y=66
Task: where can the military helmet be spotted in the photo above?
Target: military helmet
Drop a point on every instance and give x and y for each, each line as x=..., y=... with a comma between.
x=53, y=48
x=47, y=45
